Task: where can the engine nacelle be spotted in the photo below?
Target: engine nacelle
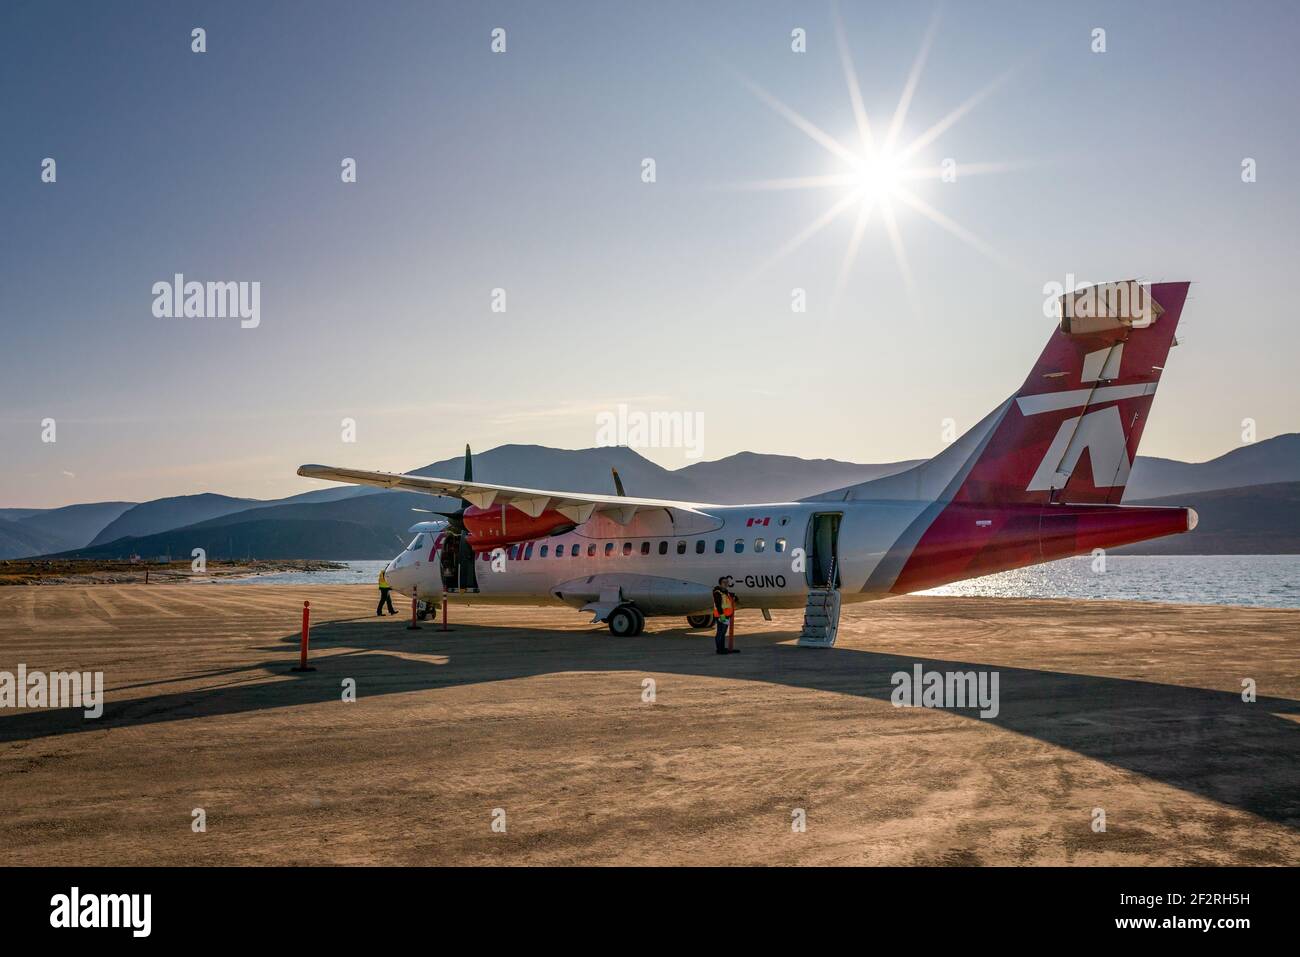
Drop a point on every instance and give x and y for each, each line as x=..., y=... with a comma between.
x=488, y=529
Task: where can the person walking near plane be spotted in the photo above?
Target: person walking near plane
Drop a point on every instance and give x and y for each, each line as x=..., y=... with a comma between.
x=385, y=596
x=724, y=607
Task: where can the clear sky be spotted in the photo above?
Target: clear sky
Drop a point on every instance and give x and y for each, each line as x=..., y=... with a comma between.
x=523, y=171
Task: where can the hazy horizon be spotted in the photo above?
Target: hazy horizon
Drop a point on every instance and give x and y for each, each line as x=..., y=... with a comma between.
x=454, y=457
x=523, y=171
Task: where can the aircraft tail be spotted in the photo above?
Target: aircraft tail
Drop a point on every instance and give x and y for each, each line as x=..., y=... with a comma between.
x=1070, y=434
x=1041, y=476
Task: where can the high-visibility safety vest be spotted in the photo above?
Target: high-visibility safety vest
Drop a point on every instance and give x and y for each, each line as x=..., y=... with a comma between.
x=727, y=609
x=383, y=579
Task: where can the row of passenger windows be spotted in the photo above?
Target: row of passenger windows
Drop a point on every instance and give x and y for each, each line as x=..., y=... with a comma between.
x=701, y=546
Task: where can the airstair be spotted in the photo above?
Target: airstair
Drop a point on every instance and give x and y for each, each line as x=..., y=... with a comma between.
x=821, y=616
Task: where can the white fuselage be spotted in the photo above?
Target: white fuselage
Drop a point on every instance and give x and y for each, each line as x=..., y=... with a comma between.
x=773, y=552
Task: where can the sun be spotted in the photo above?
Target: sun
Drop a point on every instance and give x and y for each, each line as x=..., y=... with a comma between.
x=877, y=173
x=878, y=177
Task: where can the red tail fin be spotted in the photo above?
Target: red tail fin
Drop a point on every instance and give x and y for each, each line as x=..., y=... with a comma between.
x=1070, y=434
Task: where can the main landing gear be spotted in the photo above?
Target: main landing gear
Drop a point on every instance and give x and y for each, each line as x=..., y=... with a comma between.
x=626, y=621
x=699, y=621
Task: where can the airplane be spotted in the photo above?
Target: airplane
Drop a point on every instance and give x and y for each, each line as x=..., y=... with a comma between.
x=1039, y=478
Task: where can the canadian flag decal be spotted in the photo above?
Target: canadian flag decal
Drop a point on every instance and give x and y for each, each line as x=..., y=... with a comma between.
x=758, y=521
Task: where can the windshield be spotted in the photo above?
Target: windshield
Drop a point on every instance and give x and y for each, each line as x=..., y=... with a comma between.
x=416, y=543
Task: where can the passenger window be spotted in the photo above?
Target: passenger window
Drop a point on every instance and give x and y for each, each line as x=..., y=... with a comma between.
x=627, y=548
x=645, y=548
x=609, y=549
x=514, y=552
x=559, y=551
x=528, y=553
x=759, y=545
x=740, y=546
x=699, y=546
x=719, y=546
x=591, y=550
x=681, y=547
x=574, y=552
x=780, y=544
x=663, y=548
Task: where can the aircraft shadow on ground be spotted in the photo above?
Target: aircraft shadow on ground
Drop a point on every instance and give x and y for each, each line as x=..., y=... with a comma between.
x=1205, y=742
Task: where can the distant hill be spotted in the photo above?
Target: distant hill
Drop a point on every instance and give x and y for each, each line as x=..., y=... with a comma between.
x=1260, y=463
x=162, y=514
x=754, y=477
x=53, y=529
x=257, y=538
x=19, y=541
x=574, y=470
x=78, y=524
x=376, y=520
x=746, y=476
x=743, y=477
x=387, y=515
x=1256, y=520
x=148, y=518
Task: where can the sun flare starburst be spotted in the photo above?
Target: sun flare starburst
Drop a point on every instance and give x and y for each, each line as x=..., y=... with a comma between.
x=875, y=176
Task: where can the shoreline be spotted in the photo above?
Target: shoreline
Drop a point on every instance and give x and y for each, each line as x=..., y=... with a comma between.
x=123, y=572
x=1133, y=583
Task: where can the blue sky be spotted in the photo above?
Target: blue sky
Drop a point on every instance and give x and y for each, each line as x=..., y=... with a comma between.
x=522, y=171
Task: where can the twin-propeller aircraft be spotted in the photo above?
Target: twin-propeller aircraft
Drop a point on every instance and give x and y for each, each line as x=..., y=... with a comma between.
x=1037, y=479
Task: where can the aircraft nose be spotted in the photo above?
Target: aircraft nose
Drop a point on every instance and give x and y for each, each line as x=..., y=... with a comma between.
x=405, y=578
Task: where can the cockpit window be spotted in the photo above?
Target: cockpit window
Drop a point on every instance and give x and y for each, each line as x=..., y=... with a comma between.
x=416, y=543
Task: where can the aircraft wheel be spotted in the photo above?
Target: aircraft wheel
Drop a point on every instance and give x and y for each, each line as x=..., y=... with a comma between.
x=699, y=621
x=622, y=622
x=640, y=620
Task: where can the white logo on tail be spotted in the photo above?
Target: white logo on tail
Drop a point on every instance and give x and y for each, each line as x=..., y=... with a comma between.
x=1102, y=434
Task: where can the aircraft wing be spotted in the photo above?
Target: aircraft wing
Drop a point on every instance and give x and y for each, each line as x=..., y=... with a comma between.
x=578, y=507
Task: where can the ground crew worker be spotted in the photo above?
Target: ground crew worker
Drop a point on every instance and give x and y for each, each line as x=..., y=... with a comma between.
x=385, y=596
x=724, y=607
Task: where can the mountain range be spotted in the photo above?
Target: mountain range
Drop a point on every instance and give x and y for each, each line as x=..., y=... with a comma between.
x=1246, y=500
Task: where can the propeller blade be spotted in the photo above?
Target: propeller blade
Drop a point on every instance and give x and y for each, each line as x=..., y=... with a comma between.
x=469, y=475
x=455, y=520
